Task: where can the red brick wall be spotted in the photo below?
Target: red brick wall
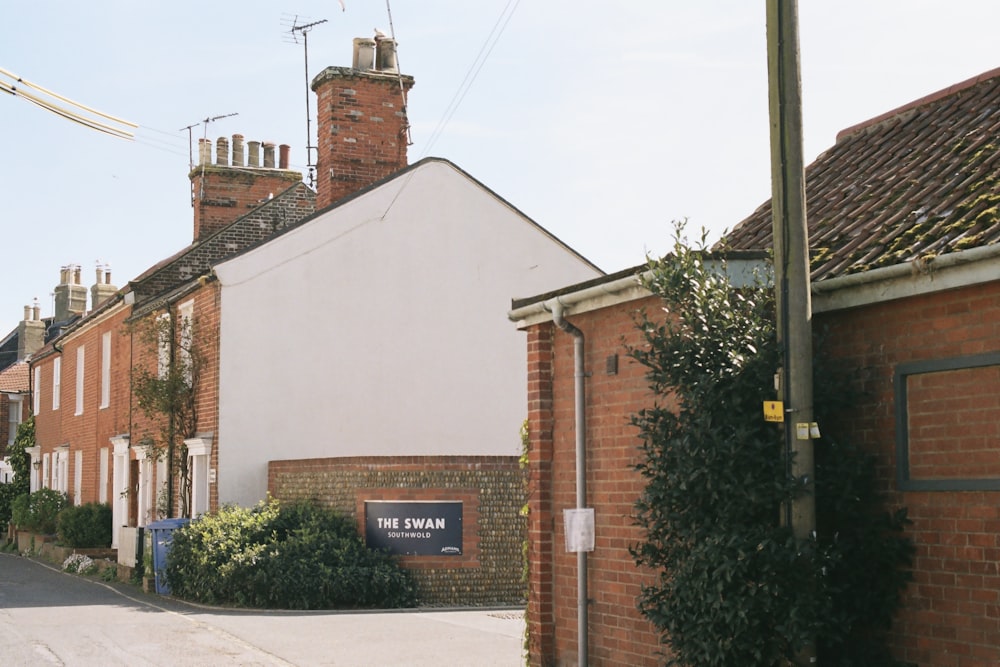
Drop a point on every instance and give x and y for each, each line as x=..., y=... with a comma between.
x=223, y=194
x=951, y=614
x=92, y=429
x=362, y=130
x=207, y=311
x=618, y=634
x=48, y=422
x=954, y=423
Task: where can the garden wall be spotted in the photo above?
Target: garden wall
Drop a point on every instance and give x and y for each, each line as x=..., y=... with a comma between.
x=491, y=490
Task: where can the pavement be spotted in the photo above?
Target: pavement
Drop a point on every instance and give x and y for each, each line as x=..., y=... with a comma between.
x=48, y=617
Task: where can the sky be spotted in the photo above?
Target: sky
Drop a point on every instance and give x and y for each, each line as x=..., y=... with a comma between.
x=604, y=122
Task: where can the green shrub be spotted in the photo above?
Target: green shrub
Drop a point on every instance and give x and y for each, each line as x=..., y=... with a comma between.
x=276, y=556
x=85, y=526
x=38, y=511
x=20, y=461
x=8, y=493
x=734, y=586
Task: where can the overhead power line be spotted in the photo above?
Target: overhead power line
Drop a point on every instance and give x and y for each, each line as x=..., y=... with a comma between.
x=75, y=112
x=470, y=76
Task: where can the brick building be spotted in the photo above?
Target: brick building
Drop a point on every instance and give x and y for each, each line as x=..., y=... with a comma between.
x=93, y=440
x=16, y=348
x=903, y=229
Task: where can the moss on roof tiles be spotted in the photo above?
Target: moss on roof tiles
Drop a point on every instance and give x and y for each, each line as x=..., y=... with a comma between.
x=924, y=182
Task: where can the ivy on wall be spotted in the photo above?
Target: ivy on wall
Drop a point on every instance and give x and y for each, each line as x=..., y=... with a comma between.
x=166, y=393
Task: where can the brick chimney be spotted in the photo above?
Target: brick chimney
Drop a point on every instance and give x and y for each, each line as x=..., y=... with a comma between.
x=230, y=188
x=362, y=126
x=70, y=295
x=30, y=332
x=102, y=289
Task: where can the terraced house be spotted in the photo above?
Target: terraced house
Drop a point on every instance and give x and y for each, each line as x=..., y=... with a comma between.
x=347, y=345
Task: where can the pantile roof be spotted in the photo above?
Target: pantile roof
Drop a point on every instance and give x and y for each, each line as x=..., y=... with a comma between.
x=914, y=183
x=14, y=379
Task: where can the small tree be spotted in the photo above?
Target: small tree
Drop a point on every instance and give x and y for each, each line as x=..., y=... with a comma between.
x=735, y=588
x=20, y=462
x=167, y=395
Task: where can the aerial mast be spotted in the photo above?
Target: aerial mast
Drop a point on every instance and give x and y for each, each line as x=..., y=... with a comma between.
x=304, y=31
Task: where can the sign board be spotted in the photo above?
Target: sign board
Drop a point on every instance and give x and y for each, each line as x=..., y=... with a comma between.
x=579, y=525
x=414, y=528
x=774, y=411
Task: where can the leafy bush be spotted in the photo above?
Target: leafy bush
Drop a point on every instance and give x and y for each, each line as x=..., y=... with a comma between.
x=39, y=511
x=85, y=526
x=734, y=586
x=20, y=461
x=277, y=556
x=8, y=492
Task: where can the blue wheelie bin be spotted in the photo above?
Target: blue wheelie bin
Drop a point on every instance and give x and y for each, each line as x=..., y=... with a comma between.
x=161, y=538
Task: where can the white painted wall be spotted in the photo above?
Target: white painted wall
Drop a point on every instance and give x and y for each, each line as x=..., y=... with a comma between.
x=380, y=328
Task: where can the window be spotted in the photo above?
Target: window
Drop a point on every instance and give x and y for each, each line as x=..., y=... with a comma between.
x=80, y=357
x=13, y=418
x=106, y=369
x=60, y=472
x=162, y=345
x=185, y=313
x=56, y=372
x=102, y=494
x=37, y=391
x=77, y=477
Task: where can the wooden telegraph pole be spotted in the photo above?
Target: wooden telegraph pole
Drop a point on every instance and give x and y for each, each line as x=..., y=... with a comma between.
x=791, y=264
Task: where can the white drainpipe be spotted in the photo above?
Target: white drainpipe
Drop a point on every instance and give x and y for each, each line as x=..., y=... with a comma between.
x=581, y=472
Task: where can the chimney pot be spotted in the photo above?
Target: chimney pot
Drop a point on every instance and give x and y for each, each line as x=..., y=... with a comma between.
x=27, y=313
x=364, y=53
x=36, y=311
x=268, y=155
x=254, y=154
x=204, y=151
x=222, y=151
x=283, y=156
x=76, y=275
x=238, y=150
x=387, y=55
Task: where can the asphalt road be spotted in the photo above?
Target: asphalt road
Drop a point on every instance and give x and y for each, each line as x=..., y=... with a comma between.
x=48, y=617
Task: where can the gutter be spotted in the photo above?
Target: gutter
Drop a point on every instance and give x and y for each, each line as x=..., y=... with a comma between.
x=743, y=270
x=920, y=276
x=918, y=266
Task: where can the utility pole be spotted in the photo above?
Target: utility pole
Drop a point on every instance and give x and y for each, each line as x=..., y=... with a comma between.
x=791, y=266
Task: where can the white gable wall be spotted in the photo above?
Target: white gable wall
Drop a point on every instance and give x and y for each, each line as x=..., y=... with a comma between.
x=374, y=333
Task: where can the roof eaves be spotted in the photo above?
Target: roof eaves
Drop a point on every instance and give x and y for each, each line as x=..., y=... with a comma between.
x=742, y=267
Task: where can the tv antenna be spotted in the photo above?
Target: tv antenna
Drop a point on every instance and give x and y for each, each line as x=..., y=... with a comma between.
x=295, y=30
x=204, y=122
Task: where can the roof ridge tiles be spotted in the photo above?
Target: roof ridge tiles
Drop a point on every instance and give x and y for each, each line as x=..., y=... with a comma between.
x=926, y=99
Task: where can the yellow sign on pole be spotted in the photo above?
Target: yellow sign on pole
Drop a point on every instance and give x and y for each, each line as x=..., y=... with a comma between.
x=774, y=411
